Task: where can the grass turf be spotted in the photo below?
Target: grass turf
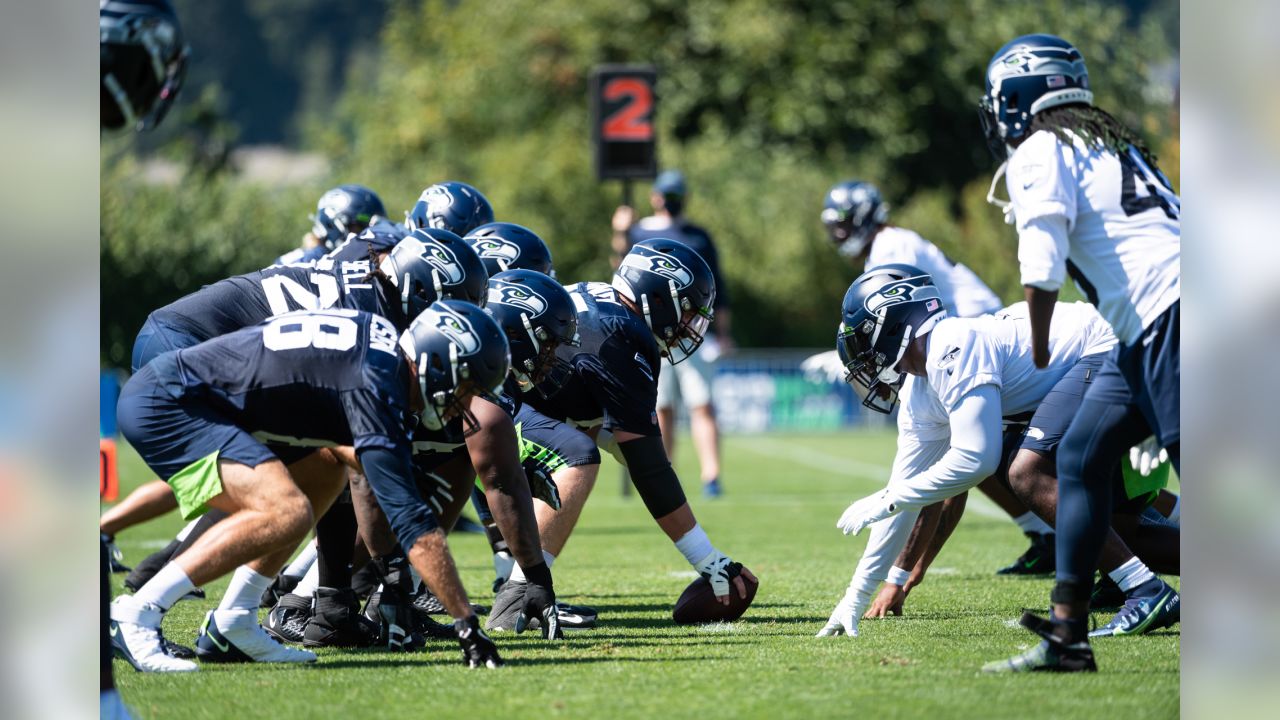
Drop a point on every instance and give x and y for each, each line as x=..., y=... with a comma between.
x=783, y=495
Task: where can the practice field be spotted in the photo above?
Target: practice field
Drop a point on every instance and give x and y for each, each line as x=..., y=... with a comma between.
x=784, y=494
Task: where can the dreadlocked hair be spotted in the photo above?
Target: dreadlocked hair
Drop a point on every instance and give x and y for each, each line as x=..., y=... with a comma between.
x=1095, y=126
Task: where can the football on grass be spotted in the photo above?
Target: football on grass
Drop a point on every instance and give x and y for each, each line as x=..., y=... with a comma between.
x=697, y=604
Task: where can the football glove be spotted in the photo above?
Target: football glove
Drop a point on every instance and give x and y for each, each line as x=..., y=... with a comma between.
x=540, y=602
x=720, y=571
x=477, y=649
x=864, y=512
x=1147, y=456
x=844, y=618
x=395, y=605
x=542, y=485
x=823, y=368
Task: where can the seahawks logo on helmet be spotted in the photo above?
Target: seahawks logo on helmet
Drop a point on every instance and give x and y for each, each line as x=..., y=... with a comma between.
x=504, y=251
x=899, y=292
x=660, y=264
x=504, y=293
x=458, y=330
x=439, y=199
x=335, y=202
x=443, y=261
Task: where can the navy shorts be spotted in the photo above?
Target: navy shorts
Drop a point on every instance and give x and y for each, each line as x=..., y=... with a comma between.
x=550, y=445
x=1147, y=374
x=173, y=434
x=1056, y=411
x=155, y=339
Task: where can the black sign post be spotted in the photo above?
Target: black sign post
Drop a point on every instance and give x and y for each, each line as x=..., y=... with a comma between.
x=623, y=104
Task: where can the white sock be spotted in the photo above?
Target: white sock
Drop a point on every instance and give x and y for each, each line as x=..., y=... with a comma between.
x=517, y=573
x=1131, y=574
x=303, y=562
x=307, y=585
x=695, y=545
x=166, y=587
x=1030, y=523
x=245, y=590
x=1175, y=514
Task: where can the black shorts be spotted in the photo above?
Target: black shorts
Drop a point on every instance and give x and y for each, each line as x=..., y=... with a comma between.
x=551, y=444
x=1056, y=411
x=1147, y=374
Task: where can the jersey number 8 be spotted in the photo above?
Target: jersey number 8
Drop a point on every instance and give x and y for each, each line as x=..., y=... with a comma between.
x=327, y=331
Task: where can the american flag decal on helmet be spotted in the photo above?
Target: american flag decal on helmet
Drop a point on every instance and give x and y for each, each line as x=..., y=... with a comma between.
x=931, y=305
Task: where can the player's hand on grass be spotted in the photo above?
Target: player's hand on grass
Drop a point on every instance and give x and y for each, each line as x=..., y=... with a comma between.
x=823, y=367
x=724, y=575
x=1147, y=456
x=477, y=649
x=864, y=512
x=888, y=602
x=540, y=602
x=844, y=618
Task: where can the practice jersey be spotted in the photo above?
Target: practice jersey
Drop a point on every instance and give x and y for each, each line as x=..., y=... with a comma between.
x=1123, y=239
x=304, y=379
x=358, y=247
x=654, y=227
x=244, y=300
x=964, y=294
x=965, y=353
x=615, y=368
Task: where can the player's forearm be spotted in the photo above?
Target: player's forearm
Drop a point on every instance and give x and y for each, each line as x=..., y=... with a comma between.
x=512, y=506
x=921, y=536
x=1040, y=304
x=948, y=517
x=430, y=557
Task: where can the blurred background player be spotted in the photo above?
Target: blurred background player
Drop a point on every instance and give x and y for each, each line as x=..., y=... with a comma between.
x=450, y=205
x=692, y=379
x=342, y=211
x=1088, y=200
x=143, y=60
x=857, y=221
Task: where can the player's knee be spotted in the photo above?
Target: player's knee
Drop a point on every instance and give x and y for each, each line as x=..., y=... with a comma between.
x=1027, y=474
x=294, y=516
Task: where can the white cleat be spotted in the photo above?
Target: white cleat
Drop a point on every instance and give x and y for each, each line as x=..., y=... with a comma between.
x=135, y=637
x=236, y=636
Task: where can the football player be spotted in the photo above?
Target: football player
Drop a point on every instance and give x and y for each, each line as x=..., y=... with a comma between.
x=508, y=246
x=659, y=305
x=453, y=206
x=372, y=243
x=219, y=421
x=341, y=212
x=143, y=60
x=1088, y=200
x=857, y=221
x=973, y=372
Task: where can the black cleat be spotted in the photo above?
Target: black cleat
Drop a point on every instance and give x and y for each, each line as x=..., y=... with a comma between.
x=510, y=601
x=287, y=621
x=365, y=580
x=1051, y=655
x=337, y=621
x=1107, y=595
x=115, y=558
x=281, y=586
x=1037, y=560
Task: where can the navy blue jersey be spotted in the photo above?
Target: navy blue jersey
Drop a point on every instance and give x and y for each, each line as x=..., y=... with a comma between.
x=304, y=379
x=245, y=300
x=682, y=230
x=356, y=247
x=302, y=256
x=615, y=369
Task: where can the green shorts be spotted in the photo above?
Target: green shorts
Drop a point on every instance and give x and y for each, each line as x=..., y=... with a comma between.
x=195, y=485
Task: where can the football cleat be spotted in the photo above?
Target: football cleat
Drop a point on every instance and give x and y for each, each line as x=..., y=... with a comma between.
x=115, y=558
x=397, y=629
x=365, y=580
x=280, y=587
x=1141, y=615
x=1037, y=560
x=432, y=628
x=712, y=489
x=1051, y=655
x=426, y=603
x=137, y=639
x=510, y=601
x=287, y=621
x=337, y=621
x=1107, y=595
x=233, y=636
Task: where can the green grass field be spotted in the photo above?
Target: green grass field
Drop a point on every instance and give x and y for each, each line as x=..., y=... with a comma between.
x=784, y=493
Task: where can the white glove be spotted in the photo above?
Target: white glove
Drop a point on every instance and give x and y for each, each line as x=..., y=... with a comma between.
x=719, y=570
x=864, y=512
x=1147, y=455
x=845, y=617
x=823, y=367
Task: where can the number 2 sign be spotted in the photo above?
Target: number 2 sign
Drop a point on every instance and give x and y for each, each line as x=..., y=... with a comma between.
x=622, y=112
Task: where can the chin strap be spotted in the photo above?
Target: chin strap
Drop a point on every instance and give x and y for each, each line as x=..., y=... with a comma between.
x=1005, y=206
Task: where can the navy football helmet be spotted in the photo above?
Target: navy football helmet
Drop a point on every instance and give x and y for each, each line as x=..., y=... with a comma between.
x=344, y=210
x=142, y=60
x=1029, y=74
x=453, y=206
x=538, y=317
x=884, y=310
x=382, y=235
x=459, y=352
x=853, y=212
x=507, y=246
x=674, y=289
x=432, y=265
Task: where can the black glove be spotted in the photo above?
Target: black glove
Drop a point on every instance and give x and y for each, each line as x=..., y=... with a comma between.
x=540, y=602
x=395, y=604
x=541, y=485
x=477, y=649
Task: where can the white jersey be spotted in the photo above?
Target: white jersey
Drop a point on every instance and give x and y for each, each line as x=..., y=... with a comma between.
x=965, y=353
x=1123, y=234
x=964, y=294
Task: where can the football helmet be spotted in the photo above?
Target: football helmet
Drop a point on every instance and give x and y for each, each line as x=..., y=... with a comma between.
x=453, y=206
x=382, y=235
x=884, y=310
x=507, y=246
x=1029, y=74
x=538, y=316
x=344, y=210
x=142, y=60
x=674, y=289
x=432, y=265
x=459, y=352
x=853, y=212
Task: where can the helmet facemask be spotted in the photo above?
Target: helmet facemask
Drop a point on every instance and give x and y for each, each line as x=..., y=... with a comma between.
x=544, y=372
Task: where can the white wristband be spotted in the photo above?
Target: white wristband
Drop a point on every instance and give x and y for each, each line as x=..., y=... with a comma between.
x=898, y=576
x=695, y=545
